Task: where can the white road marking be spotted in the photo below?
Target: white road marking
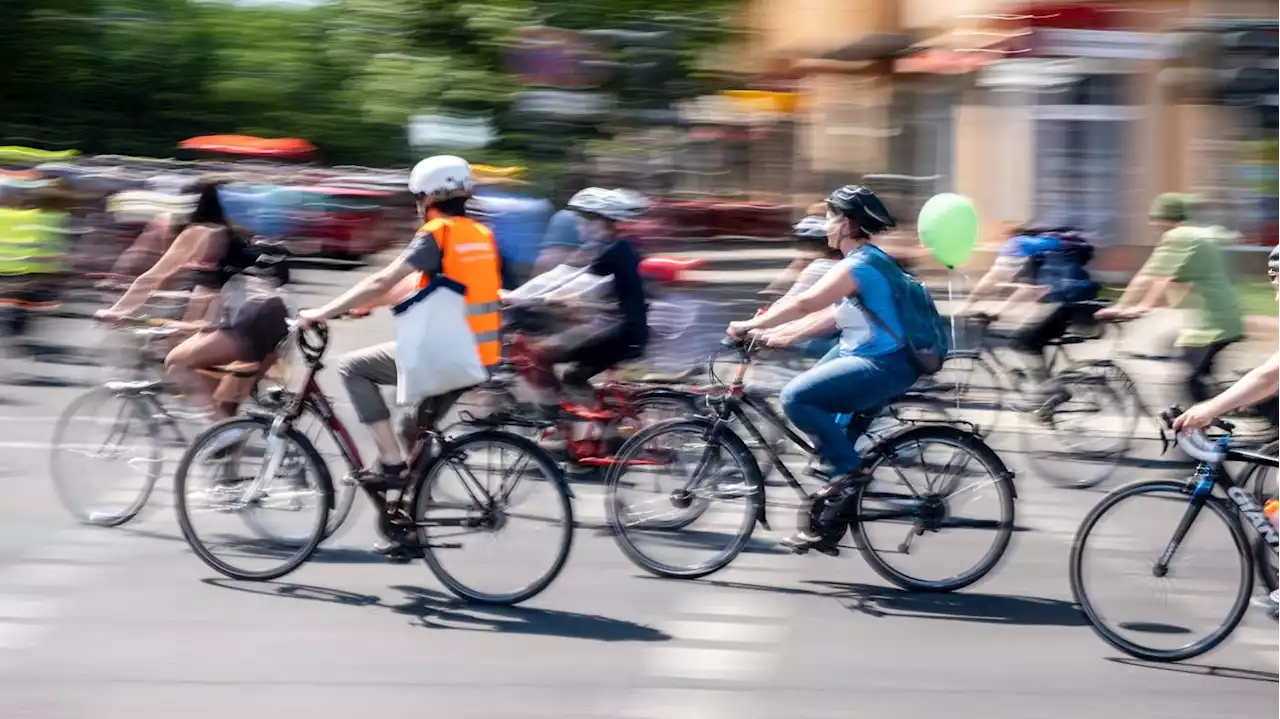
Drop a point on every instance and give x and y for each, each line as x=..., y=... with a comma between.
x=704, y=664
x=723, y=633
x=18, y=635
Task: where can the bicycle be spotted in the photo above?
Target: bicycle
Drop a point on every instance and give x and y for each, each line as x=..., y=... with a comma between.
x=1197, y=494
x=924, y=512
x=141, y=411
x=616, y=410
x=1090, y=418
x=281, y=484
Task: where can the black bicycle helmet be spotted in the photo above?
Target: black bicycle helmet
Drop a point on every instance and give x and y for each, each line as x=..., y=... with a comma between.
x=860, y=204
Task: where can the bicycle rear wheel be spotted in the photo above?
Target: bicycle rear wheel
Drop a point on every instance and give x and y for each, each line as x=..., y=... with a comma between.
x=680, y=517
x=946, y=462
x=1137, y=638
x=292, y=474
x=452, y=506
x=1082, y=440
x=130, y=436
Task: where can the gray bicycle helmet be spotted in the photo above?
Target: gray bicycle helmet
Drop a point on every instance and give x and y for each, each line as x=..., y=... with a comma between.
x=860, y=204
x=614, y=205
x=813, y=227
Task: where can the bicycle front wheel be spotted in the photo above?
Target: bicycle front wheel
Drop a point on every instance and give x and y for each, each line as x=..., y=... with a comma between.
x=277, y=485
x=482, y=485
x=1145, y=515
x=106, y=457
x=1081, y=436
x=675, y=525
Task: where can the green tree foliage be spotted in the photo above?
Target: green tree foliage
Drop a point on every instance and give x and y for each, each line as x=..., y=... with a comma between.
x=139, y=76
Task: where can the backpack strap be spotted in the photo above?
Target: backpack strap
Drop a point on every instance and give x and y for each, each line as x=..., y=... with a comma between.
x=857, y=300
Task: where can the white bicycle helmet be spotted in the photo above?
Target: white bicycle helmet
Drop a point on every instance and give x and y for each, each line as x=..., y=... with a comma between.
x=610, y=204
x=442, y=177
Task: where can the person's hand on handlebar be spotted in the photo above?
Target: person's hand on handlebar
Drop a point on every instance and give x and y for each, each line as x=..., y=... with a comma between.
x=738, y=330
x=1198, y=416
x=308, y=319
x=1120, y=314
x=108, y=317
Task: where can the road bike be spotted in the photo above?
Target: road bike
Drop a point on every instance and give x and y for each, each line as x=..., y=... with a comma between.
x=143, y=414
x=724, y=468
x=291, y=473
x=1211, y=488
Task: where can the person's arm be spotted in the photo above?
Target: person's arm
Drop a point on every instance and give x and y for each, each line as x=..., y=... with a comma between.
x=835, y=286
x=423, y=255
x=1150, y=285
x=821, y=322
x=185, y=248
x=1260, y=384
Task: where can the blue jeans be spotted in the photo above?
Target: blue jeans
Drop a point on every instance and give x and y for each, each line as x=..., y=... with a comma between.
x=842, y=385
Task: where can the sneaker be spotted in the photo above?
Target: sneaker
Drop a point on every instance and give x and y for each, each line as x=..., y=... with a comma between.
x=1270, y=603
x=397, y=553
x=802, y=541
x=383, y=478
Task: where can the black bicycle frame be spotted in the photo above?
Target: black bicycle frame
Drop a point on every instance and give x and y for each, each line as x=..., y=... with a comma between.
x=1207, y=477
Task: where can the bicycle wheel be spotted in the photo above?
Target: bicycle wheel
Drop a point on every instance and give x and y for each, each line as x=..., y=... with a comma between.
x=452, y=507
x=944, y=458
x=1082, y=440
x=291, y=474
x=673, y=518
x=80, y=485
x=1132, y=637
x=1260, y=482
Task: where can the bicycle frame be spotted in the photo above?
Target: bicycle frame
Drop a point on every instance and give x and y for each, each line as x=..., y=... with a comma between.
x=1200, y=487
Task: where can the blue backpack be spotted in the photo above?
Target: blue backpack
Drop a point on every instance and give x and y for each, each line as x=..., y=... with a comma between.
x=926, y=330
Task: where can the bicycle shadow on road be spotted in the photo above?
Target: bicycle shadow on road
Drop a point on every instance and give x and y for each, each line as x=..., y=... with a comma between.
x=882, y=602
x=1202, y=670
x=436, y=610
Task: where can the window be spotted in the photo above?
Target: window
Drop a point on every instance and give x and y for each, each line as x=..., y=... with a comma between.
x=1083, y=164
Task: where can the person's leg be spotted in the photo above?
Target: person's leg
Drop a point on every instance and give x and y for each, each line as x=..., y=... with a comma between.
x=1199, y=362
x=207, y=349
x=364, y=372
x=812, y=401
x=842, y=385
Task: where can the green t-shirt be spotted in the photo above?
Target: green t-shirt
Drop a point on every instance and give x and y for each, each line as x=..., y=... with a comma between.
x=1193, y=256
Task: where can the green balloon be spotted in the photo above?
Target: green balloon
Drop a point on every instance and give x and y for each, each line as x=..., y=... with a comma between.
x=948, y=226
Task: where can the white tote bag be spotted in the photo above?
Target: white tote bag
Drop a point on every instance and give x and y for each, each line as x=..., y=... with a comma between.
x=435, y=348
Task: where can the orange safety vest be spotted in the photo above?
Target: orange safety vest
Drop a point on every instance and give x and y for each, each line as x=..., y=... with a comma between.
x=470, y=257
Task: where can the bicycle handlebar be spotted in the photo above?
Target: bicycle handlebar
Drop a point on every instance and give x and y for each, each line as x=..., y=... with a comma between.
x=1196, y=444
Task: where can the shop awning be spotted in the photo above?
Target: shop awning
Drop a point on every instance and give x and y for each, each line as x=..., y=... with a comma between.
x=961, y=51
x=249, y=145
x=876, y=46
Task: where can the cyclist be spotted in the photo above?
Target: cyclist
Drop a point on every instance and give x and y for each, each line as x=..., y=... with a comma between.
x=1191, y=256
x=1260, y=385
x=449, y=243
x=1046, y=269
x=250, y=315
x=612, y=336
x=814, y=335
x=869, y=366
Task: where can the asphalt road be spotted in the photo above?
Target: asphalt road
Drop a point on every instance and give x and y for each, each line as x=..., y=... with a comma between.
x=105, y=623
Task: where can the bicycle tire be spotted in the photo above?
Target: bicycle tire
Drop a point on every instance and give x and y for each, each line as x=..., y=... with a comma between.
x=1254, y=480
x=1004, y=486
x=62, y=482
x=727, y=440
x=422, y=496
x=1065, y=471
x=1079, y=592
x=323, y=481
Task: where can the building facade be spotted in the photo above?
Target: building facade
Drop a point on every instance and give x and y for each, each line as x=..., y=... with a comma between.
x=1039, y=111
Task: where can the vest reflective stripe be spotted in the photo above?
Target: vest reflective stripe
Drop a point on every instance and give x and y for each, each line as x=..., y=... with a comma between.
x=30, y=241
x=470, y=257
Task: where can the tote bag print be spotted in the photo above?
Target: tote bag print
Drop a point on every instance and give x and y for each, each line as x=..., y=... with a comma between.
x=435, y=349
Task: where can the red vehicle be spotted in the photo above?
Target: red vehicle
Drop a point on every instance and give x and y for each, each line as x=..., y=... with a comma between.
x=339, y=221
